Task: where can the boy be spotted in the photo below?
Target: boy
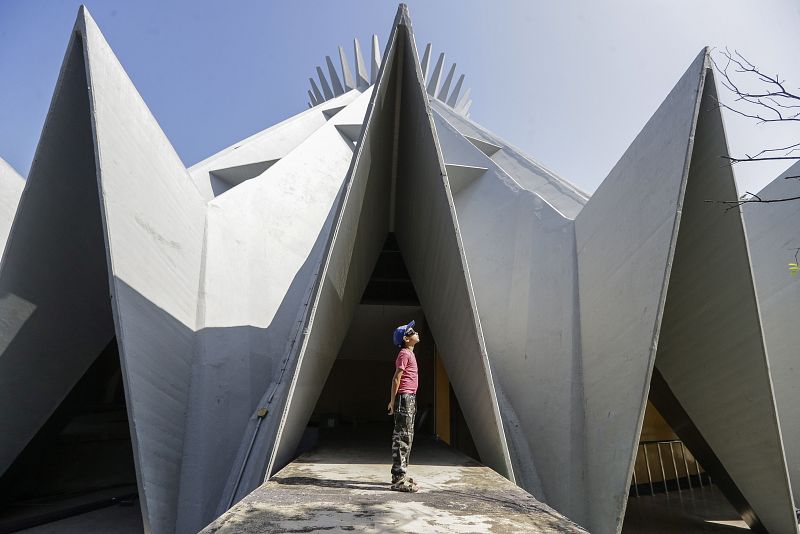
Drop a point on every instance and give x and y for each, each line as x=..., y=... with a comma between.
x=403, y=405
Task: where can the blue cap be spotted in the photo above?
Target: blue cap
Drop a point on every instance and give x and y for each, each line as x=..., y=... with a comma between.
x=399, y=332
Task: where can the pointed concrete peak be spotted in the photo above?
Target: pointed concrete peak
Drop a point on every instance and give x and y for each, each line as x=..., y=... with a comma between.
x=330, y=112
x=460, y=176
x=426, y=59
x=462, y=102
x=437, y=73
x=347, y=74
x=351, y=131
x=487, y=148
x=337, y=85
x=315, y=89
x=326, y=89
x=311, y=99
x=454, y=96
x=376, y=59
x=362, y=79
x=447, y=81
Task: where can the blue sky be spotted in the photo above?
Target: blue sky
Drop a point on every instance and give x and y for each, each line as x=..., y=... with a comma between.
x=570, y=83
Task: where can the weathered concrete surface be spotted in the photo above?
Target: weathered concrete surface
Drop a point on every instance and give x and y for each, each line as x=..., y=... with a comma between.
x=772, y=230
x=153, y=218
x=711, y=350
x=625, y=236
x=520, y=255
x=344, y=487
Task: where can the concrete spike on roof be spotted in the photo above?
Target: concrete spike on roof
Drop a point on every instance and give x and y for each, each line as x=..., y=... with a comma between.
x=375, y=60
x=426, y=60
x=326, y=89
x=457, y=89
x=462, y=102
x=362, y=78
x=315, y=89
x=337, y=85
x=447, y=81
x=433, y=83
x=347, y=74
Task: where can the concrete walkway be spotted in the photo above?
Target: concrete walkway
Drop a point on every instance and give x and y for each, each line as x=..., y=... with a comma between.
x=343, y=486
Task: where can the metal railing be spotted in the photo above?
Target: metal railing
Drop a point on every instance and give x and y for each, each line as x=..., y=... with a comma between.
x=700, y=477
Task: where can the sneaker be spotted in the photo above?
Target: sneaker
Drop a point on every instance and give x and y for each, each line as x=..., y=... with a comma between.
x=400, y=478
x=405, y=485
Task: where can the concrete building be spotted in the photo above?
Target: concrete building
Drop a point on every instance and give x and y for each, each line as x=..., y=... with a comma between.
x=220, y=309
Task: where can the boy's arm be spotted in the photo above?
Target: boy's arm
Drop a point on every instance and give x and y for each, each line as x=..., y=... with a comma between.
x=398, y=374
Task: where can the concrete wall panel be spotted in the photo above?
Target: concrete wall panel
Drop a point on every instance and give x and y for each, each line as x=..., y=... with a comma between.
x=521, y=256
x=625, y=237
x=710, y=351
x=264, y=243
x=429, y=237
x=773, y=240
x=154, y=220
x=55, y=311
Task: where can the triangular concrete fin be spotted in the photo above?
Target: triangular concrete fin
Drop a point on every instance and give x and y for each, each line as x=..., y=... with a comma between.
x=433, y=83
x=426, y=59
x=447, y=81
x=337, y=85
x=460, y=176
x=636, y=205
x=317, y=95
x=362, y=78
x=110, y=203
x=326, y=89
x=347, y=74
x=650, y=253
x=463, y=101
x=330, y=112
x=360, y=229
x=154, y=219
x=233, y=176
x=375, y=59
x=351, y=131
x=772, y=237
x=312, y=100
x=711, y=355
x=47, y=340
x=484, y=146
x=454, y=95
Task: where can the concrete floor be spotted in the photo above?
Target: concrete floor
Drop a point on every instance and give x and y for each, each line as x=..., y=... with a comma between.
x=343, y=486
x=702, y=509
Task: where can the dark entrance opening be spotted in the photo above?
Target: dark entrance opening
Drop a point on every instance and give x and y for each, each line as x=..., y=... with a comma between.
x=671, y=490
x=354, y=399
x=80, y=460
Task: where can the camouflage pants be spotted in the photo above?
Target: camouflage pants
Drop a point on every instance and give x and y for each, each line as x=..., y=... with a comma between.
x=405, y=408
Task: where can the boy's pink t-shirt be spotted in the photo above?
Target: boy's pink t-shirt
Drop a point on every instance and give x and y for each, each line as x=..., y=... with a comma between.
x=408, y=363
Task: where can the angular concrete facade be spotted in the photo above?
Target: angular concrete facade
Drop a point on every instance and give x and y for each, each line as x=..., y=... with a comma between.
x=229, y=287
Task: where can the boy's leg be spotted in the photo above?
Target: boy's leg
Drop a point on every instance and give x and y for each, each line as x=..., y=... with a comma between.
x=402, y=436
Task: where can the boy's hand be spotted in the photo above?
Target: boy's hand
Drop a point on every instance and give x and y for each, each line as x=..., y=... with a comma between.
x=390, y=408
